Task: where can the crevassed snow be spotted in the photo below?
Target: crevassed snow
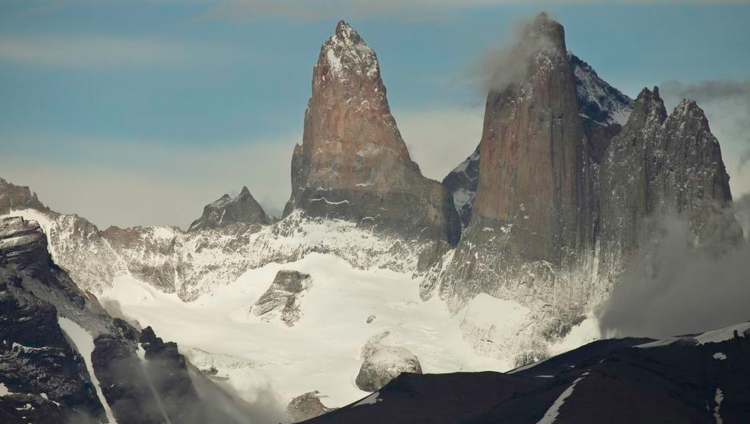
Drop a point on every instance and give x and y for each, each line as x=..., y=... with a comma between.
x=551, y=415
x=322, y=350
x=84, y=344
x=720, y=356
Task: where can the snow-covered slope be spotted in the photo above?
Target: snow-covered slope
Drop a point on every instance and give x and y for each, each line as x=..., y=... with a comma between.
x=322, y=350
x=597, y=99
x=198, y=289
x=196, y=263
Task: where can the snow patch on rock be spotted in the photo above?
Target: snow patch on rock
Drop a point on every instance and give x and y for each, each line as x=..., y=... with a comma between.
x=84, y=343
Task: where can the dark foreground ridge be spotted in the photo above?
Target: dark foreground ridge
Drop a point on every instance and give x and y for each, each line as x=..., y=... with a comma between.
x=46, y=361
x=608, y=381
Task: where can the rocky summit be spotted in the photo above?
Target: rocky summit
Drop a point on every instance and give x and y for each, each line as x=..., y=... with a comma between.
x=225, y=211
x=662, y=165
x=352, y=163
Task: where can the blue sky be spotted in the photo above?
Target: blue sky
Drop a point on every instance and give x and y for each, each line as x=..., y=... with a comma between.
x=141, y=112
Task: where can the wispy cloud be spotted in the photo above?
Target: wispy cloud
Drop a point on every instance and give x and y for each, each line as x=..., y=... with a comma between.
x=103, y=52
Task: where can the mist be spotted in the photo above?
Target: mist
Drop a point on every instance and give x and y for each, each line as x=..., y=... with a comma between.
x=498, y=69
x=672, y=288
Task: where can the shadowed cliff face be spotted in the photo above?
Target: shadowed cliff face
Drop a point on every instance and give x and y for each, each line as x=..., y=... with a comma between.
x=663, y=165
x=353, y=163
x=533, y=172
x=46, y=367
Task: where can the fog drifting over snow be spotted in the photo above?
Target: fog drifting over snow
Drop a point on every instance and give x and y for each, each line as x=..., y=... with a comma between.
x=674, y=289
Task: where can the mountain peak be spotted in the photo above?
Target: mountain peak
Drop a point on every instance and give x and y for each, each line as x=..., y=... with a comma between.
x=225, y=211
x=347, y=34
x=346, y=53
x=20, y=238
x=649, y=107
x=549, y=30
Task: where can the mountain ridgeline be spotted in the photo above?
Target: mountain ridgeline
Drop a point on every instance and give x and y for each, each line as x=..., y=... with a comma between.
x=570, y=178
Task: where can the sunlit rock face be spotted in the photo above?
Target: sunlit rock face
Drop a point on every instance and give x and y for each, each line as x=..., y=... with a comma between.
x=533, y=213
x=352, y=163
x=533, y=172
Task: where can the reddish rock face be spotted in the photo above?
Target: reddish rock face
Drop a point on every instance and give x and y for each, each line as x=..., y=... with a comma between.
x=533, y=176
x=353, y=163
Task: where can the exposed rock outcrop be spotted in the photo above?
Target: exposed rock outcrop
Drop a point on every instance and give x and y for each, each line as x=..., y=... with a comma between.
x=14, y=197
x=307, y=406
x=533, y=212
x=533, y=172
x=462, y=182
x=88, y=368
x=603, y=110
x=385, y=364
x=382, y=363
x=352, y=163
x=225, y=211
x=42, y=378
x=283, y=297
x=664, y=165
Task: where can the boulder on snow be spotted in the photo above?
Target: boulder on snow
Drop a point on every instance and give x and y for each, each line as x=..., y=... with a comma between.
x=307, y=406
x=382, y=363
x=283, y=297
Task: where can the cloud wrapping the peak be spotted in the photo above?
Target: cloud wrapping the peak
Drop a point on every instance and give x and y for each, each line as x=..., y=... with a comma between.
x=499, y=68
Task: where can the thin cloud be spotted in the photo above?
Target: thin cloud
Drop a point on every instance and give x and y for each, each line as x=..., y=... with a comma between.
x=127, y=183
x=151, y=182
x=439, y=140
x=104, y=52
